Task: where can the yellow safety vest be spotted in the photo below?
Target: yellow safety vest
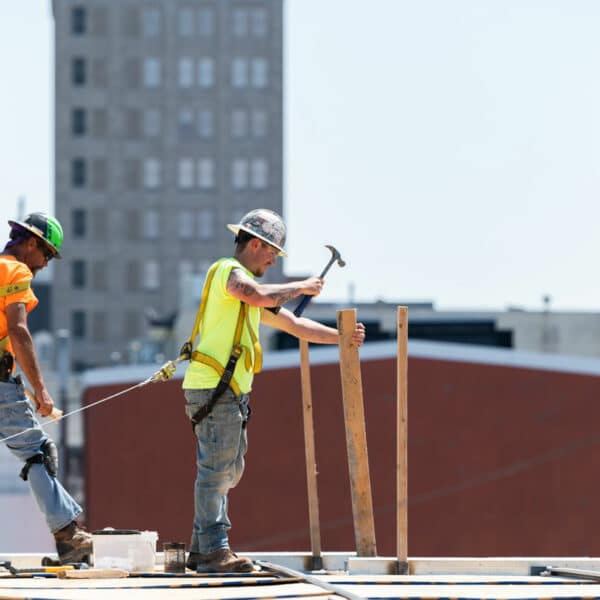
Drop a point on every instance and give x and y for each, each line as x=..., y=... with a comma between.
x=237, y=348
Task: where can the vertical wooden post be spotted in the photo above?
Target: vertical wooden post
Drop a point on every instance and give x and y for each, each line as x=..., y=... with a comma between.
x=356, y=437
x=401, y=441
x=310, y=456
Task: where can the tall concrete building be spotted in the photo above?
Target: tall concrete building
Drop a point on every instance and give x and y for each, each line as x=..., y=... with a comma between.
x=168, y=127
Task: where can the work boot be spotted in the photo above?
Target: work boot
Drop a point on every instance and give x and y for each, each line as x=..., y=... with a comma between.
x=73, y=544
x=222, y=560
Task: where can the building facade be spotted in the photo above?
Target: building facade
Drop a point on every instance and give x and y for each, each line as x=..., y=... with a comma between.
x=168, y=126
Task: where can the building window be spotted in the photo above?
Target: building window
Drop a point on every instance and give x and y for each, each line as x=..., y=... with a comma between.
x=186, y=225
x=206, y=123
x=239, y=123
x=185, y=21
x=186, y=72
x=131, y=323
x=206, y=21
x=239, y=72
x=99, y=326
x=78, y=222
x=78, y=122
x=259, y=123
x=132, y=276
x=240, y=22
x=151, y=275
x=152, y=122
x=152, y=72
x=78, y=173
x=185, y=177
x=78, y=274
x=185, y=123
x=206, y=224
x=259, y=22
x=239, y=174
x=78, y=20
x=206, y=173
x=152, y=173
x=99, y=73
x=259, y=174
x=99, y=174
x=150, y=224
x=99, y=278
x=206, y=72
x=78, y=71
x=78, y=324
x=151, y=22
x=99, y=122
x=260, y=73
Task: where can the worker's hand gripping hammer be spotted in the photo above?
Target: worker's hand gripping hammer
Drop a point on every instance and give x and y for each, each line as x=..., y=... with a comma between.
x=335, y=257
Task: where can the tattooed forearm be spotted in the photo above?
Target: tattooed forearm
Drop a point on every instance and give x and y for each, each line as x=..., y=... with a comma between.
x=245, y=288
x=281, y=297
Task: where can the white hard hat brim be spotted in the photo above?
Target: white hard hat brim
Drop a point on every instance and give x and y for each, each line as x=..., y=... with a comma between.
x=236, y=229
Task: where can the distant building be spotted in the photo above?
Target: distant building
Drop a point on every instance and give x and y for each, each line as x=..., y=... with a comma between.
x=168, y=118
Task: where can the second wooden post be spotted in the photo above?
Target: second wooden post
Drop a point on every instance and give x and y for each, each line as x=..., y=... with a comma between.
x=356, y=436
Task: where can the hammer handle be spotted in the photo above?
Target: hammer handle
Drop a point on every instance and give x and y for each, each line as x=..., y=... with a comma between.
x=302, y=305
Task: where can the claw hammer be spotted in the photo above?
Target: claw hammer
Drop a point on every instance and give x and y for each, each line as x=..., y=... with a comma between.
x=335, y=256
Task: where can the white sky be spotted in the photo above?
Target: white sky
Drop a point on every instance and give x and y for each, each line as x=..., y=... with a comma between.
x=449, y=149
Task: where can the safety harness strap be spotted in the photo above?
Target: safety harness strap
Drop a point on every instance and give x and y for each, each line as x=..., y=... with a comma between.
x=225, y=373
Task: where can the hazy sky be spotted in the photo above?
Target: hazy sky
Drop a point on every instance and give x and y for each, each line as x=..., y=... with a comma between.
x=449, y=148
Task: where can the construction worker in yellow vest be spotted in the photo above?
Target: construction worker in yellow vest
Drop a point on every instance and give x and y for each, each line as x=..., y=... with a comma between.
x=33, y=243
x=219, y=377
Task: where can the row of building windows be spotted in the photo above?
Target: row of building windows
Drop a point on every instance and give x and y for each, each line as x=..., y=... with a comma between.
x=191, y=173
x=192, y=224
x=93, y=325
x=190, y=21
x=191, y=123
x=191, y=73
x=139, y=276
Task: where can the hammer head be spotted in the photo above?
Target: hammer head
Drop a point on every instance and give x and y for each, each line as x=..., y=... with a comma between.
x=336, y=256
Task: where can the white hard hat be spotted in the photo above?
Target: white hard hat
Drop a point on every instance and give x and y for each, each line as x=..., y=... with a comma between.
x=264, y=224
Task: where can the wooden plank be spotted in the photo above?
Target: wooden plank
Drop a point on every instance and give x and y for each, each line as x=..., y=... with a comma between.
x=402, y=437
x=310, y=455
x=356, y=436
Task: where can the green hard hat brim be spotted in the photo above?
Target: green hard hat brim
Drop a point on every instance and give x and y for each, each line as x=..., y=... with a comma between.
x=39, y=234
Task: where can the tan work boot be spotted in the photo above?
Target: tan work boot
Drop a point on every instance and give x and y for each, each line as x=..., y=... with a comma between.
x=73, y=544
x=219, y=561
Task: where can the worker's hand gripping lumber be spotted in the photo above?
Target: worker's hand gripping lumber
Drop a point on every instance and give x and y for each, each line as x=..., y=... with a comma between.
x=56, y=412
x=335, y=257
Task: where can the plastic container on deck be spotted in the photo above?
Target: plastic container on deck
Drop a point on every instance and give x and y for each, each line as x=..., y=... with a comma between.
x=127, y=549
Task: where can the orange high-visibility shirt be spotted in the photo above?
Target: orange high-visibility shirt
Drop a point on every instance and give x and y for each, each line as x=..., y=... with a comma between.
x=12, y=272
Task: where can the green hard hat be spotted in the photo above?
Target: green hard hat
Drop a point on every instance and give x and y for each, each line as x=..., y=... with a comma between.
x=45, y=227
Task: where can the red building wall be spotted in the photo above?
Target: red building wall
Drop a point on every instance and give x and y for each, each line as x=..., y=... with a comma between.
x=502, y=461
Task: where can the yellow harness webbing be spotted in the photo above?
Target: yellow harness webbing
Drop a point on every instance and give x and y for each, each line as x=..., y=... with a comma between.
x=238, y=348
x=7, y=290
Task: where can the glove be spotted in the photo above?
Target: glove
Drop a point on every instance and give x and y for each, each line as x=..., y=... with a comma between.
x=165, y=372
x=186, y=351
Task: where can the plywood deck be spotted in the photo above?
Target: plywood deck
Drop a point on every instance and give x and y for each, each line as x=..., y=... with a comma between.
x=474, y=584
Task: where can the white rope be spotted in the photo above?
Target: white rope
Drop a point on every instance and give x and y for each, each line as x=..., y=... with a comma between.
x=163, y=374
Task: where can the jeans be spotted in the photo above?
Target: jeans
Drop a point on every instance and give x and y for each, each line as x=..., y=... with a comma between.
x=222, y=444
x=17, y=415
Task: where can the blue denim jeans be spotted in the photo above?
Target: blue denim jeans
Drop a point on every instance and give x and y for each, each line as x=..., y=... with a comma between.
x=17, y=415
x=222, y=444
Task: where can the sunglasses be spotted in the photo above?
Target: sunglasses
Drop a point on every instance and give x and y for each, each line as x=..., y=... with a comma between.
x=48, y=254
